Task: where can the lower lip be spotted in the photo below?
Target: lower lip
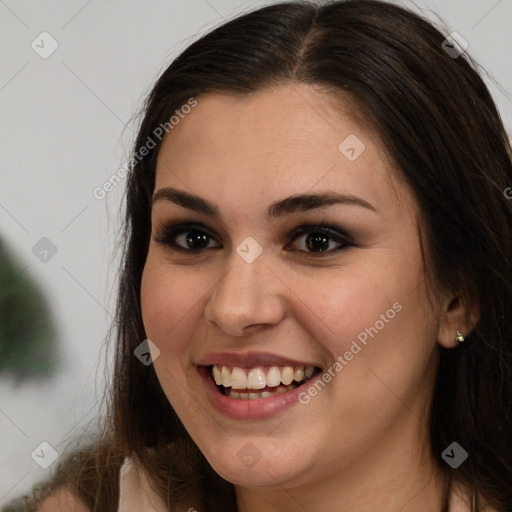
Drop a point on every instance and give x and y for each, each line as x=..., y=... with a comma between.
x=242, y=409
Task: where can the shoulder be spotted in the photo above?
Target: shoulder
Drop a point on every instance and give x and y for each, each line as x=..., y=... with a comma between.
x=84, y=480
x=62, y=500
x=45, y=499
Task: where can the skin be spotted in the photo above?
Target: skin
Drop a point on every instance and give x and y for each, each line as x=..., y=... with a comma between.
x=363, y=439
x=62, y=500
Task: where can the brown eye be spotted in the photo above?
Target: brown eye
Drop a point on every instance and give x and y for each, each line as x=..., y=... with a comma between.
x=321, y=239
x=196, y=239
x=185, y=238
x=317, y=242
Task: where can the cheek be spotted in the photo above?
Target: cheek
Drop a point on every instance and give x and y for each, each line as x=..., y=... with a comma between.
x=383, y=343
x=353, y=303
x=170, y=302
x=377, y=319
x=356, y=302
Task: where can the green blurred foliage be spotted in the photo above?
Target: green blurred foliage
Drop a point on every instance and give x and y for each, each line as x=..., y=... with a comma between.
x=28, y=344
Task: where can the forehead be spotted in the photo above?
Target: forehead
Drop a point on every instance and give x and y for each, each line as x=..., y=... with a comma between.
x=289, y=139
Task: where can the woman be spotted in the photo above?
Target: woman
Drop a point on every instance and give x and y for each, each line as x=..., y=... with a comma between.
x=314, y=307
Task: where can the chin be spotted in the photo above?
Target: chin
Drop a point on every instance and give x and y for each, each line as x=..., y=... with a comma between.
x=256, y=462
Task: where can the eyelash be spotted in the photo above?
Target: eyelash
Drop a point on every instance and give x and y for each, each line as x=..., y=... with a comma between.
x=169, y=232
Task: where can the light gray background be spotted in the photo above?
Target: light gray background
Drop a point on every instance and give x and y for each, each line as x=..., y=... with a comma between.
x=62, y=133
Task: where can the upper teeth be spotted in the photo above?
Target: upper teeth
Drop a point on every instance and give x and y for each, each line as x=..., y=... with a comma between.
x=255, y=378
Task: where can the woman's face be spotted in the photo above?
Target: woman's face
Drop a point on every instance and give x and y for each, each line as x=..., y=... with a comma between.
x=252, y=289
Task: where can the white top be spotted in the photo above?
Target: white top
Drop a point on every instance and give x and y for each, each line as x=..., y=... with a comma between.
x=135, y=494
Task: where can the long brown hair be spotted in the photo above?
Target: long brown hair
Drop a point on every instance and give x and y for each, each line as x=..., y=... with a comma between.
x=438, y=121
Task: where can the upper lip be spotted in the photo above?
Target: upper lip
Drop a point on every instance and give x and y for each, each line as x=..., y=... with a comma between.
x=250, y=359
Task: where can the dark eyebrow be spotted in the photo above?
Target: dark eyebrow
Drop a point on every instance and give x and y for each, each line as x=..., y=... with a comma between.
x=292, y=204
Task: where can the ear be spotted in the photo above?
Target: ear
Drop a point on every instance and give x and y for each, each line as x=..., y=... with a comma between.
x=457, y=315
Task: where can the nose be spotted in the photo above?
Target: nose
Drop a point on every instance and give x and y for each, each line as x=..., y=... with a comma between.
x=247, y=298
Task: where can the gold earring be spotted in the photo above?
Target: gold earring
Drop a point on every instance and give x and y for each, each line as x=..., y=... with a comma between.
x=459, y=337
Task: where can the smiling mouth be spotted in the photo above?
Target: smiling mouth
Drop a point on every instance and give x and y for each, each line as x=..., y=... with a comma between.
x=259, y=382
